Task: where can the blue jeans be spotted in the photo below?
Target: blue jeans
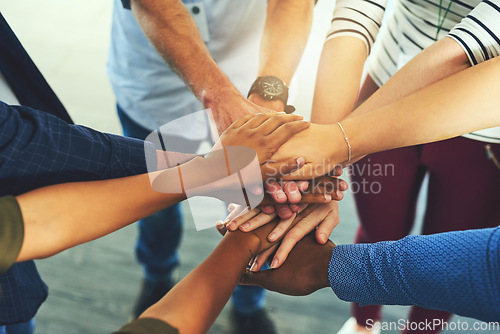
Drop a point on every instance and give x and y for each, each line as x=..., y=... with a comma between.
x=160, y=235
x=22, y=328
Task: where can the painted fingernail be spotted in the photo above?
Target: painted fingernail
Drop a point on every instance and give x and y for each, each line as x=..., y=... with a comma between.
x=272, y=236
x=275, y=263
x=245, y=226
x=328, y=197
x=280, y=195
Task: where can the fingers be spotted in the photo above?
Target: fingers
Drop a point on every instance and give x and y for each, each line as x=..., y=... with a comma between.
x=221, y=228
x=304, y=227
x=320, y=198
x=256, y=221
x=271, y=124
x=292, y=191
x=240, y=121
x=309, y=171
x=242, y=218
x=277, y=169
x=286, y=131
x=257, y=120
x=262, y=258
x=281, y=228
x=284, y=211
x=237, y=210
x=326, y=227
x=275, y=190
x=268, y=209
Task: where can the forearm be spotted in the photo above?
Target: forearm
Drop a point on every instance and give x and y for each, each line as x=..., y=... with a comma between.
x=338, y=79
x=455, y=271
x=459, y=104
x=196, y=301
x=65, y=215
x=286, y=31
x=440, y=60
x=174, y=34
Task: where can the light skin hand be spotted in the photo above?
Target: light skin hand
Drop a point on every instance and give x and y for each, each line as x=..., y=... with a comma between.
x=248, y=220
x=305, y=271
x=323, y=219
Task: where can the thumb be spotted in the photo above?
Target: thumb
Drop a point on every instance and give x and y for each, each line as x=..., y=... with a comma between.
x=258, y=278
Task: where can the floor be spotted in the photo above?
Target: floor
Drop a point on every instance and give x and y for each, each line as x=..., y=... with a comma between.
x=93, y=286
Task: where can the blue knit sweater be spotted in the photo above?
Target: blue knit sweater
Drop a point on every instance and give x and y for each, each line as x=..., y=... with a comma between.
x=457, y=272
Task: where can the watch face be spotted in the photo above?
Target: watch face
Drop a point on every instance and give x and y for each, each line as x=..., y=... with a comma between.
x=272, y=86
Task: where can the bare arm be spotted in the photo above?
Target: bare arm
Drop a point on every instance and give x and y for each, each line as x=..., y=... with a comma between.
x=288, y=24
x=437, y=112
x=338, y=79
x=174, y=34
x=196, y=301
x=438, y=61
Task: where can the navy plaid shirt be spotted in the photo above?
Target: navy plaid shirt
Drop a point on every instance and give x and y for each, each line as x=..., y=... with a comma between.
x=38, y=149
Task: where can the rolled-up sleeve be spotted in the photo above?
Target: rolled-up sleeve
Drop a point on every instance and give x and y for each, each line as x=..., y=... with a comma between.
x=357, y=18
x=457, y=272
x=479, y=32
x=38, y=149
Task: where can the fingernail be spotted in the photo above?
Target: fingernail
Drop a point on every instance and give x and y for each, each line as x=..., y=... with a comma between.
x=272, y=236
x=328, y=197
x=230, y=226
x=280, y=195
x=340, y=194
x=254, y=265
x=275, y=263
x=323, y=238
x=300, y=161
x=245, y=226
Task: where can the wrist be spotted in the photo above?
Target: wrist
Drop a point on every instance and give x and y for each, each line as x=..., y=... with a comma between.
x=215, y=98
x=275, y=105
x=323, y=264
x=249, y=243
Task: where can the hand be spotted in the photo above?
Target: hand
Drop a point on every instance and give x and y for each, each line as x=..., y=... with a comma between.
x=264, y=133
x=323, y=147
x=322, y=219
x=330, y=187
x=290, y=191
x=275, y=105
x=305, y=271
x=230, y=107
x=257, y=239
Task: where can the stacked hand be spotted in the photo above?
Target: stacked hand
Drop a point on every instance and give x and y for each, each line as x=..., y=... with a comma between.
x=305, y=271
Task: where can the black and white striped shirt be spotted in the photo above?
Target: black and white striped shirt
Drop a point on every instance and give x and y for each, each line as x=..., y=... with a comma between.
x=412, y=25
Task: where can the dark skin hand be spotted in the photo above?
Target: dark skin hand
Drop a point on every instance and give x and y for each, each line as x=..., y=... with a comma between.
x=305, y=270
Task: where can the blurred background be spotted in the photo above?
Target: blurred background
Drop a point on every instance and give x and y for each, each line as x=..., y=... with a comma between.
x=93, y=286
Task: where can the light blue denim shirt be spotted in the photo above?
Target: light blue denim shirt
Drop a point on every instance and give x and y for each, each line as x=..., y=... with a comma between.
x=150, y=92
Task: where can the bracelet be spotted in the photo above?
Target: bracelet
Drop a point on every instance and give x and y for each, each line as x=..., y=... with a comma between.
x=180, y=178
x=347, y=142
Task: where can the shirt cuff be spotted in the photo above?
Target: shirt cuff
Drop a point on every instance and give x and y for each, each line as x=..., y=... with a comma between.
x=346, y=271
x=11, y=232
